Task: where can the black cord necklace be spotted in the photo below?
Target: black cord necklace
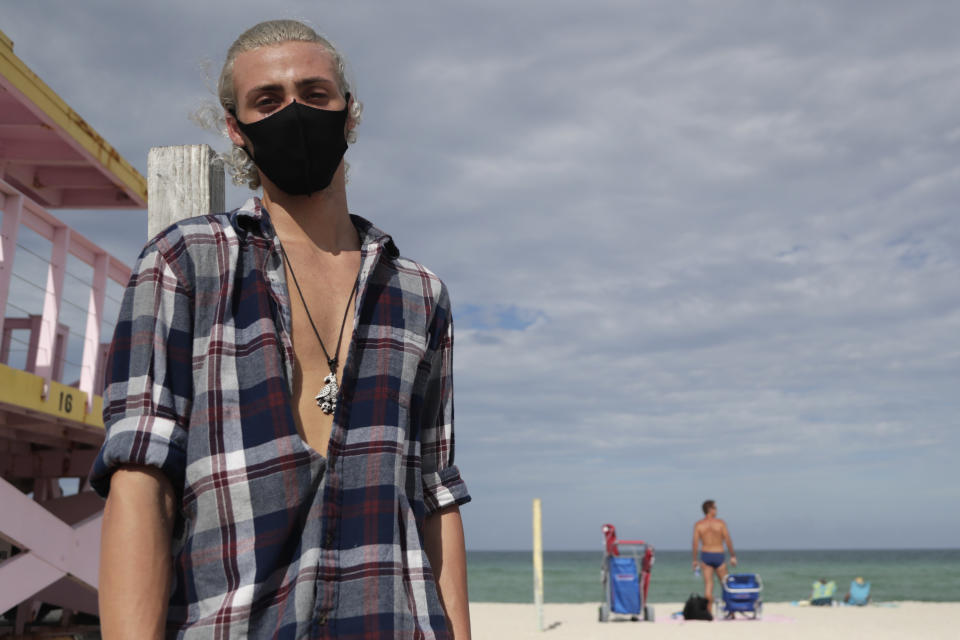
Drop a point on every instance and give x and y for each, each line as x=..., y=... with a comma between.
x=327, y=398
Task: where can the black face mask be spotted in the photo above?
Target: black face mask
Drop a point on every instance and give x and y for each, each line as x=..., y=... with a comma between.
x=299, y=147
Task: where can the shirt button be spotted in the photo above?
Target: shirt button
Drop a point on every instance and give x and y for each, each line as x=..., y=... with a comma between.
x=322, y=619
x=328, y=539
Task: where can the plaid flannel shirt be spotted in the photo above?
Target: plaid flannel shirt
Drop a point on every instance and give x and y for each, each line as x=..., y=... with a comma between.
x=272, y=539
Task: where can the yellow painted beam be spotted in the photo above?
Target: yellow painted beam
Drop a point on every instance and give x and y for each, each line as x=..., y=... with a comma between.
x=25, y=390
x=36, y=90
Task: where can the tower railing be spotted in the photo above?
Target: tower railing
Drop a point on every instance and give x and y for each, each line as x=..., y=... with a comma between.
x=50, y=428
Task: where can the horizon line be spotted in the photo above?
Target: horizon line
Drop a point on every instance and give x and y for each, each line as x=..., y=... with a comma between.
x=751, y=549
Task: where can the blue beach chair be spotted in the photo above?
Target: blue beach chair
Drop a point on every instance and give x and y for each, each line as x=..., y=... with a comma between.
x=859, y=593
x=741, y=594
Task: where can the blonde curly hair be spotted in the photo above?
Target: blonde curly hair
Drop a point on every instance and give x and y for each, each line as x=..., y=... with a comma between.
x=265, y=34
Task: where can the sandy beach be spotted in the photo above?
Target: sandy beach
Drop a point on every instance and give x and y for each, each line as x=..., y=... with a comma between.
x=935, y=620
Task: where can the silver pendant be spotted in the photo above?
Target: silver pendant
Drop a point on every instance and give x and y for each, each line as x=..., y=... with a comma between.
x=327, y=398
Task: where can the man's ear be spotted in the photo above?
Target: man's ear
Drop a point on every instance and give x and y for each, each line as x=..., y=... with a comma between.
x=351, y=121
x=234, y=131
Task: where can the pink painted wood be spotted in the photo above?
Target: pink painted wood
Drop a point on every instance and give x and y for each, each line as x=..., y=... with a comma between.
x=12, y=210
x=58, y=536
x=42, y=164
x=91, y=341
x=48, y=361
x=66, y=593
x=51, y=303
x=22, y=576
x=67, y=550
x=32, y=325
x=52, y=463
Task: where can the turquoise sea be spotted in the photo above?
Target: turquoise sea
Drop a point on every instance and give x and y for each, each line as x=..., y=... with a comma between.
x=574, y=576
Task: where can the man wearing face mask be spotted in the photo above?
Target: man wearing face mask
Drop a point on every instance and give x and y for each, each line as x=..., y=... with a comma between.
x=279, y=459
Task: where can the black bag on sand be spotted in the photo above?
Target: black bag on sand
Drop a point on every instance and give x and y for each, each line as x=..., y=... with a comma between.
x=697, y=608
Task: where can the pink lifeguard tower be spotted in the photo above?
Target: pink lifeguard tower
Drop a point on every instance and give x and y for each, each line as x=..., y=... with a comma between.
x=51, y=365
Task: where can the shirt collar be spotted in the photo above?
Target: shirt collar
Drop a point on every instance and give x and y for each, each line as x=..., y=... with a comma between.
x=253, y=217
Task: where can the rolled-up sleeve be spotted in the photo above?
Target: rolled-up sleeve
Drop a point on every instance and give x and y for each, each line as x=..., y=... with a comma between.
x=149, y=382
x=442, y=484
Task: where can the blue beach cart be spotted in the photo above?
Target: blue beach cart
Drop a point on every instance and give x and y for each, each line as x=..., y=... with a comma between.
x=625, y=575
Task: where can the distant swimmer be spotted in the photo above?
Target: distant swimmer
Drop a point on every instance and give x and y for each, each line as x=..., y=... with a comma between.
x=709, y=535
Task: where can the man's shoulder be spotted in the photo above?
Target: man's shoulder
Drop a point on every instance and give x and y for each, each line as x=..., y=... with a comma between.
x=711, y=523
x=413, y=276
x=409, y=268
x=189, y=247
x=417, y=279
x=184, y=237
x=197, y=229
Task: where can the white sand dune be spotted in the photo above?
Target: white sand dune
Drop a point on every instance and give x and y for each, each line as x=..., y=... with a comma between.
x=901, y=620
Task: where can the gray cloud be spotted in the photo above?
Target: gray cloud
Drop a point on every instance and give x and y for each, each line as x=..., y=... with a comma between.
x=731, y=228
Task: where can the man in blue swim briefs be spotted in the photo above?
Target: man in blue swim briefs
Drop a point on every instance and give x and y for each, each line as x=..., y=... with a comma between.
x=709, y=536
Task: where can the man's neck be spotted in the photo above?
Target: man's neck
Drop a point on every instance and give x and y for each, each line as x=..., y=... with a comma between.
x=321, y=219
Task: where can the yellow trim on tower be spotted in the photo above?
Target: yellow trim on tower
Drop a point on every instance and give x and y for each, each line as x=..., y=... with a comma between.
x=37, y=91
x=25, y=390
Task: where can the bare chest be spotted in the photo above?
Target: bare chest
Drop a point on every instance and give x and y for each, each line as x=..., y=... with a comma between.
x=322, y=317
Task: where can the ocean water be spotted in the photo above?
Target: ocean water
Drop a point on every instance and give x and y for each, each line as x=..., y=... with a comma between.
x=574, y=576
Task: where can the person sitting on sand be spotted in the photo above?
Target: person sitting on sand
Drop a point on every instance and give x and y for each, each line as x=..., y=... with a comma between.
x=822, y=595
x=709, y=536
x=859, y=593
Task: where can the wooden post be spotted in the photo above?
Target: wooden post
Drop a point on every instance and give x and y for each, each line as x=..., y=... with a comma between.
x=182, y=182
x=538, y=562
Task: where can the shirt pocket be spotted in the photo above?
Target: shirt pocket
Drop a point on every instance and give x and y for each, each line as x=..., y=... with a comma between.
x=391, y=360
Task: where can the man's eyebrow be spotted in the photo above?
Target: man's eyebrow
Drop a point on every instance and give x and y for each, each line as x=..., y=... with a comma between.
x=265, y=88
x=316, y=80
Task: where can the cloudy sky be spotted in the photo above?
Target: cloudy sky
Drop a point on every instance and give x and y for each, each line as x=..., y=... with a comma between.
x=696, y=249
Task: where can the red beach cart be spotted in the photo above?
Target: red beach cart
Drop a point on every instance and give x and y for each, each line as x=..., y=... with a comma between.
x=625, y=575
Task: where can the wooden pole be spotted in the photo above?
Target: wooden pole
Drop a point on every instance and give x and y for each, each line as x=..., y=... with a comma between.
x=538, y=562
x=182, y=182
